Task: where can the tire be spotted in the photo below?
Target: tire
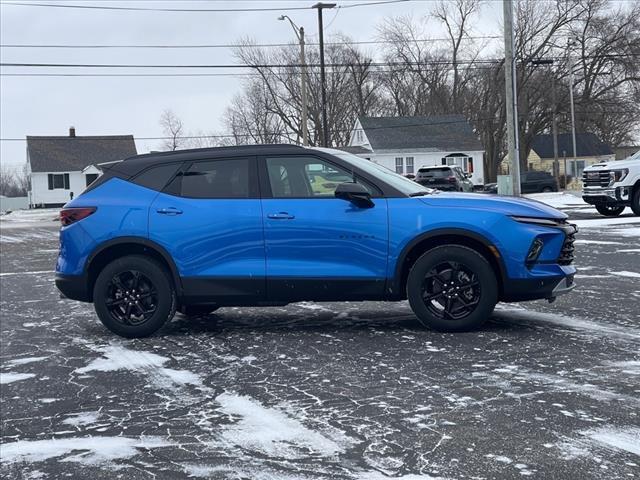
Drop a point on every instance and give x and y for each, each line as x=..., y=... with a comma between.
x=473, y=268
x=142, y=295
x=608, y=211
x=635, y=201
x=198, y=310
x=546, y=189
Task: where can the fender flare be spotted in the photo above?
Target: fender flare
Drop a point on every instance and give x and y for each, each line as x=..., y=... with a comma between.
x=460, y=232
x=145, y=242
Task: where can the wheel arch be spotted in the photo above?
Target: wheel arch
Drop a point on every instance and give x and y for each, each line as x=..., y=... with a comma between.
x=122, y=246
x=449, y=236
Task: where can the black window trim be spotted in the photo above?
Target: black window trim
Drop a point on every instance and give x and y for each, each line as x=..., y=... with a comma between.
x=265, y=185
x=150, y=167
x=174, y=186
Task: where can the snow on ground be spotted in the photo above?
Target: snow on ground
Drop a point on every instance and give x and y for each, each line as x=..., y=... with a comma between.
x=118, y=357
x=608, y=221
x=94, y=450
x=85, y=418
x=10, y=377
x=558, y=199
x=626, y=439
x=271, y=432
x=625, y=273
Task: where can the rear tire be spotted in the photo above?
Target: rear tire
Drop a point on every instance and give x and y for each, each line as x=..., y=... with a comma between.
x=134, y=296
x=635, y=201
x=607, y=211
x=452, y=288
x=547, y=190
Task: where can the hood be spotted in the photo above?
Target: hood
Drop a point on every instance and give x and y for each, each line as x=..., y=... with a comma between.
x=506, y=205
x=613, y=164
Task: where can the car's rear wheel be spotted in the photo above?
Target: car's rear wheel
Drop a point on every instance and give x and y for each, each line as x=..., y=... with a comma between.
x=547, y=189
x=452, y=288
x=635, y=201
x=609, y=210
x=134, y=296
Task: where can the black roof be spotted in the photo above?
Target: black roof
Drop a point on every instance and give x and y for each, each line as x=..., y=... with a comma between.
x=70, y=154
x=587, y=145
x=132, y=165
x=442, y=132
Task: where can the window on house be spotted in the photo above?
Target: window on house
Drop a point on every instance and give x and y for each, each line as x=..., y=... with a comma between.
x=462, y=161
x=409, y=164
x=399, y=166
x=359, y=136
x=576, y=170
x=58, y=181
x=91, y=177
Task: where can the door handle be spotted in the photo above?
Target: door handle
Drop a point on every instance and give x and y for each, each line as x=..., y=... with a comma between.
x=281, y=216
x=169, y=211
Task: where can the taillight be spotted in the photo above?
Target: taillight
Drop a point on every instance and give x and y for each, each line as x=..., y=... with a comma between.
x=452, y=179
x=72, y=215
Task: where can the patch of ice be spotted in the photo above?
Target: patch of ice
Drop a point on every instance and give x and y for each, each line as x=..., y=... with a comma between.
x=117, y=357
x=582, y=241
x=631, y=367
x=10, y=377
x=618, y=439
x=271, y=432
x=628, y=250
x=35, y=272
x=25, y=360
x=605, y=222
x=625, y=273
x=95, y=450
x=85, y=418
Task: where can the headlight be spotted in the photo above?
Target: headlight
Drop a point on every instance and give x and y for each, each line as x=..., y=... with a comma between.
x=547, y=222
x=618, y=175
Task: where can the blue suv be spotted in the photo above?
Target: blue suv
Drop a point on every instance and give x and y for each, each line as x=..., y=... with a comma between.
x=267, y=225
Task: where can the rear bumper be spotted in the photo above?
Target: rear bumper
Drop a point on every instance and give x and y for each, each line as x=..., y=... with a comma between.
x=74, y=287
x=516, y=290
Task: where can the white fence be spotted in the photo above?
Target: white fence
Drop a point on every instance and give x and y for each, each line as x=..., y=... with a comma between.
x=13, y=203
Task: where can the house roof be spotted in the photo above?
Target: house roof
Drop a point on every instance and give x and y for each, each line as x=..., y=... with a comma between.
x=587, y=145
x=443, y=132
x=356, y=149
x=71, y=154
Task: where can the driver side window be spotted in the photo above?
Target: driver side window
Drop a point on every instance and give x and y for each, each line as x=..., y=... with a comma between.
x=311, y=177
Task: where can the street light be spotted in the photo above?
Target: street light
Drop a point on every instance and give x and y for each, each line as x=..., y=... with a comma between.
x=323, y=88
x=299, y=31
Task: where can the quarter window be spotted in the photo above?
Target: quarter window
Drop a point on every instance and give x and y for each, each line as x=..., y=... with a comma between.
x=217, y=179
x=157, y=177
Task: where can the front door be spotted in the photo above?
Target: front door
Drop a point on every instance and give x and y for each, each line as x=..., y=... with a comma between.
x=319, y=247
x=210, y=220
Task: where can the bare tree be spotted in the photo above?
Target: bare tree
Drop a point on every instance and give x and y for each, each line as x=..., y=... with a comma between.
x=173, y=129
x=13, y=183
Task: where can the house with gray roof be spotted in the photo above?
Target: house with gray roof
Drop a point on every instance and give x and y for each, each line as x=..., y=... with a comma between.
x=404, y=144
x=62, y=167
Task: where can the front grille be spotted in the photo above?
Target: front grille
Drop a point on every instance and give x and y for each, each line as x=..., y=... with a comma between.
x=596, y=179
x=566, y=253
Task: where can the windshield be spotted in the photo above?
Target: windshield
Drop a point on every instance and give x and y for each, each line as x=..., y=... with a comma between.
x=406, y=186
x=635, y=156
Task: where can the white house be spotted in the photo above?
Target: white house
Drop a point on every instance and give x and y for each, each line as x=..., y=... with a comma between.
x=62, y=167
x=404, y=144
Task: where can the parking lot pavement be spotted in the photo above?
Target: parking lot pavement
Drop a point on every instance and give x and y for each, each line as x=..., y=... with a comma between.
x=324, y=391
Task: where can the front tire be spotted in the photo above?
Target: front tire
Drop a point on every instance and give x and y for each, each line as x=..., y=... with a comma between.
x=609, y=211
x=134, y=296
x=635, y=201
x=452, y=288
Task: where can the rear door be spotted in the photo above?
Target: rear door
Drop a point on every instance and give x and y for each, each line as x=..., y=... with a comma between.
x=319, y=247
x=210, y=219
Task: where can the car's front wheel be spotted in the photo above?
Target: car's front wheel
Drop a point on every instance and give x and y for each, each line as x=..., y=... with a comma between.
x=134, y=296
x=452, y=288
x=635, y=201
x=609, y=210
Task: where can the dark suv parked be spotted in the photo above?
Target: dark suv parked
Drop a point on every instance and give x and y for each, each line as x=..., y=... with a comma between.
x=530, y=182
x=450, y=178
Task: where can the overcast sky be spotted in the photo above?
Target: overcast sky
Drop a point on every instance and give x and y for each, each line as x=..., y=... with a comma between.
x=133, y=105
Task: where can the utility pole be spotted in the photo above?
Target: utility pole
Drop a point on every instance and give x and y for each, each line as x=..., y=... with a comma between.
x=299, y=31
x=323, y=88
x=511, y=97
x=573, y=112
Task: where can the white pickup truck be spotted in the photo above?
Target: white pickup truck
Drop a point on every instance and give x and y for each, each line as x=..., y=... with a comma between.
x=612, y=186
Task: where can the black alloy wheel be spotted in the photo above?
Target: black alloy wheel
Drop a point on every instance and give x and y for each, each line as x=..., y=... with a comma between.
x=609, y=210
x=132, y=299
x=451, y=291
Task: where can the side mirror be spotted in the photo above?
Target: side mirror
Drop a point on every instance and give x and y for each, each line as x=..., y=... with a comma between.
x=354, y=193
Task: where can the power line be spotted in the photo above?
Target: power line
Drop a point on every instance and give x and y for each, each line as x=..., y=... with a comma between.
x=235, y=45
x=196, y=10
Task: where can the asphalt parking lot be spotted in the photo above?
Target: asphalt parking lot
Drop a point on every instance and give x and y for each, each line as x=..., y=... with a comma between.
x=324, y=391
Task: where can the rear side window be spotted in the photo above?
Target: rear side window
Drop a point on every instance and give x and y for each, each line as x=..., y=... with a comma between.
x=156, y=178
x=217, y=179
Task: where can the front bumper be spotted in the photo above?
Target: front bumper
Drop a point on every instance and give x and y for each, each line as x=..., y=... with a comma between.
x=516, y=290
x=74, y=287
x=598, y=195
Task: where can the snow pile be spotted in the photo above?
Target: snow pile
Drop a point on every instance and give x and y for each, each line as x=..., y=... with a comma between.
x=95, y=450
x=558, y=199
x=10, y=377
x=117, y=357
x=30, y=218
x=272, y=432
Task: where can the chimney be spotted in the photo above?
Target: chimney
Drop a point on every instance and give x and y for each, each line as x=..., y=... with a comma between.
x=72, y=131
